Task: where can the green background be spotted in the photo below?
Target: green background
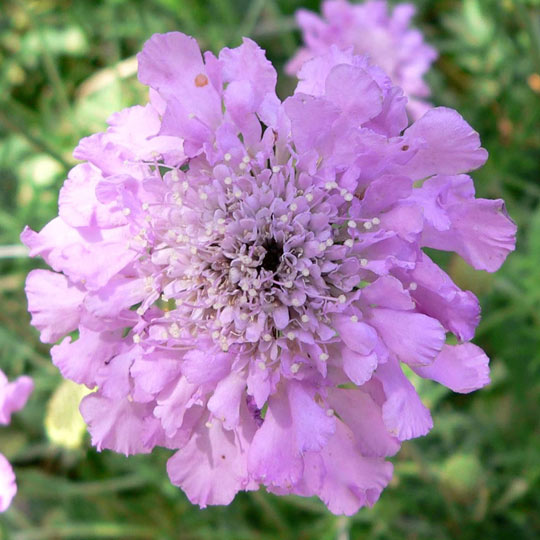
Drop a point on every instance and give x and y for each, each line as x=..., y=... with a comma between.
x=64, y=67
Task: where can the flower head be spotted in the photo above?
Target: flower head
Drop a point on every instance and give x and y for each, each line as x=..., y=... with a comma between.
x=13, y=397
x=371, y=28
x=246, y=276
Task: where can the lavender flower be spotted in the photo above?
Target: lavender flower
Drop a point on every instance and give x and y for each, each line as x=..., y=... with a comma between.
x=13, y=397
x=246, y=276
x=371, y=29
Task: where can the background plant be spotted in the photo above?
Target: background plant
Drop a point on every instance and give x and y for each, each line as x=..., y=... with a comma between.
x=64, y=67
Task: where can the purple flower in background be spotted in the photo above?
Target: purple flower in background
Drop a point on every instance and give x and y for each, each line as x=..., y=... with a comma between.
x=247, y=276
x=13, y=397
x=369, y=28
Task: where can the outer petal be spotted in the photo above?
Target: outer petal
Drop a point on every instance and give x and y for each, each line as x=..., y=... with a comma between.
x=211, y=468
x=291, y=427
x=54, y=302
x=13, y=396
x=8, y=487
x=202, y=367
x=364, y=417
x=358, y=367
x=482, y=233
x=438, y=296
x=115, y=424
x=80, y=360
x=355, y=92
x=462, y=368
x=173, y=404
x=350, y=480
x=172, y=64
x=311, y=119
x=403, y=413
x=414, y=338
x=451, y=145
x=227, y=398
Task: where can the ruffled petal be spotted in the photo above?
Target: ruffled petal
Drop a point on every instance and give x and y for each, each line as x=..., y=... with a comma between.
x=8, y=487
x=462, y=368
x=54, y=303
x=451, y=146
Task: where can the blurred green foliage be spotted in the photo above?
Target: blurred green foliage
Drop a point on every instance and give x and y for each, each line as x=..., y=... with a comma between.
x=65, y=66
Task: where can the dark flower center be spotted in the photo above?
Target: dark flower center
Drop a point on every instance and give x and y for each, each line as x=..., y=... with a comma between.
x=272, y=258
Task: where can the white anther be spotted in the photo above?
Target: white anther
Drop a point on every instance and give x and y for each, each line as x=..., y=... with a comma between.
x=126, y=211
x=136, y=338
x=284, y=218
x=305, y=272
x=148, y=283
x=291, y=335
x=221, y=221
x=342, y=298
x=227, y=157
x=215, y=334
x=224, y=346
x=413, y=286
x=145, y=206
x=322, y=246
x=348, y=197
x=309, y=197
x=174, y=330
x=228, y=180
x=295, y=302
x=246, y=159
x=244, y=316
x=185, y=185
x=267, y=337
x=208, y=425
x=329, y=412
x=242, y=166
x=293, y=207
x=295, y=368
x=351, y=224
x=368, y=225
x=363, y=262
x=262, y=365
x=323, y=357
x=305, y=318
x=252, y=292
x=349, y=242
x=288, y=284
x=329, y=242
x=376, y=221
x=140, y=311
x=354, y=318
x=203, y=196
x=237, y=193
x=193, y=250
x=174, y=175
x=276, y=169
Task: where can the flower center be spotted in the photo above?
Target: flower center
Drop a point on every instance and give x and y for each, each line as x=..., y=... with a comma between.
x=272, y=258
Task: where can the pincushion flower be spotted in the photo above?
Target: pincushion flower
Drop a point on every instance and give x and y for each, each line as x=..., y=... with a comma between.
x=371, y=28
x=246, y=275
x=13, y=397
